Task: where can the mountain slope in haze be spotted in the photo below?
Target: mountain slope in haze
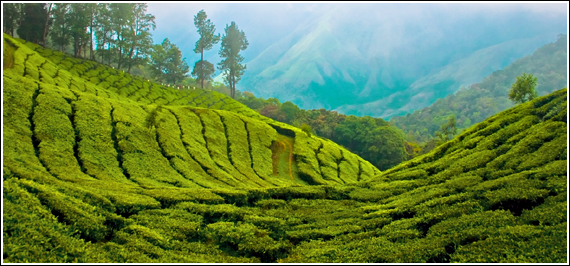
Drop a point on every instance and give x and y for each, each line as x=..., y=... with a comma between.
x=489, y=97
x=94, y=171
x=341, y=63
x=449, y=79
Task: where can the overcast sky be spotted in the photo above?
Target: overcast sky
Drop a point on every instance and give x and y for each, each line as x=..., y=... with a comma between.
x=266, y=23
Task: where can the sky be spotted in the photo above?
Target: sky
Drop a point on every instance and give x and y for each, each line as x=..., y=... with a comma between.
x=266, y=23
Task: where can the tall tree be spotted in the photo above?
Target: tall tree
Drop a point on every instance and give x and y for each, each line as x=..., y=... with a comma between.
x=139, y=35
x=33, y=21
x=232, y=43
x=11, y=17
x=92, y=10
x=48, y=23
x=103, y=34
x=121, y=14
x=79, y=21
x=167, y=64
x=61, y=32
x=523, y=89
x=204, y=70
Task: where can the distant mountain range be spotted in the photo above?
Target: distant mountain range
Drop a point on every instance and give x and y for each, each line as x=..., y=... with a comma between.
x=489, y=96
x=382, y=63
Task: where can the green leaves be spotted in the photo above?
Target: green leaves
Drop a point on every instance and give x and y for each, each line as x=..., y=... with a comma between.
x=523, y=89
x=232, y=43
x=167, y=63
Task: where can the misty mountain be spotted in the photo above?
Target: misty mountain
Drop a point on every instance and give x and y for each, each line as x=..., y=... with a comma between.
x=382, y=63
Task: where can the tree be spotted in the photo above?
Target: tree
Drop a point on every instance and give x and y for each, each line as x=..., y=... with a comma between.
x=92, y=9
x=385, y=147
x=79, y=21
x=447, y=130
x=48, y=23
x=204, y=70
x=232, y=43
x=120, y=16
x=103, y=34
x=167, y=64
x=33, y=22
x=140, y=37
x=291, y=110
x=11, y=17
x=61, y=31
x=523, y=89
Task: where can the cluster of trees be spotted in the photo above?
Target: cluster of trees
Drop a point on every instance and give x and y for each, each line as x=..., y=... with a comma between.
x=111, y=33
x=118, y=34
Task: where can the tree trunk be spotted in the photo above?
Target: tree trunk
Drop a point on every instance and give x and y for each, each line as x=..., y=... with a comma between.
x=21, y=14
x=91, y=55
x=131, y=51
x=75, y=45
x=120, y=52
x=202, y=67
x=46, y=26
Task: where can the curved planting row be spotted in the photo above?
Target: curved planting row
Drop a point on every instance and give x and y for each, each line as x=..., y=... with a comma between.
x=99, y=80
x=92, y=176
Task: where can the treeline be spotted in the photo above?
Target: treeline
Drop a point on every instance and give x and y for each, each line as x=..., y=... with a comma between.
x=482, y=100
x=118, y=34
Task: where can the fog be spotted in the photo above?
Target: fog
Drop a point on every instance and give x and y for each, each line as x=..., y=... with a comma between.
x=266, y=23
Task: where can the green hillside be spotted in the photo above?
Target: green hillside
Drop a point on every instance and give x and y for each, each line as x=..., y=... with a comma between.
x=123, y=128
x=482, y=100
x=100, y=166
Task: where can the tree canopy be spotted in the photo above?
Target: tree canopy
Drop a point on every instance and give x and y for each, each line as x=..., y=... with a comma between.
x=523, y=89
x=203, y=70
x=167, y=64
x=233, y=42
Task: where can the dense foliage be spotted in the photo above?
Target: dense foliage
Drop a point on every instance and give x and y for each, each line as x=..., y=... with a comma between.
x=167, y=64
x=100, y=166
x=523, y=89
x=233, y=42
x=480, y=101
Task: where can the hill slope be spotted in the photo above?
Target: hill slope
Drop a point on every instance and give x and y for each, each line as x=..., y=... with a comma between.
x=104, y=124
x=482, y=100
x=495, y=193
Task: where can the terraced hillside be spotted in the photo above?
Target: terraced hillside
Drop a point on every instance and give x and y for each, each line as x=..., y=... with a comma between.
x=90, y=175
x=89, y=121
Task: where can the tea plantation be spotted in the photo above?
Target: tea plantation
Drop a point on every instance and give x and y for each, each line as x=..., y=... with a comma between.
x=100, y=166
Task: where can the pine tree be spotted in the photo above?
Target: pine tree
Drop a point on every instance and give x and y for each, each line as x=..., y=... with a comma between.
x=232, y=43
x=204, y=70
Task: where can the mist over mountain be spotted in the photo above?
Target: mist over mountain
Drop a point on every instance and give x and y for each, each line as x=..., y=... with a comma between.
x=376, y=59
